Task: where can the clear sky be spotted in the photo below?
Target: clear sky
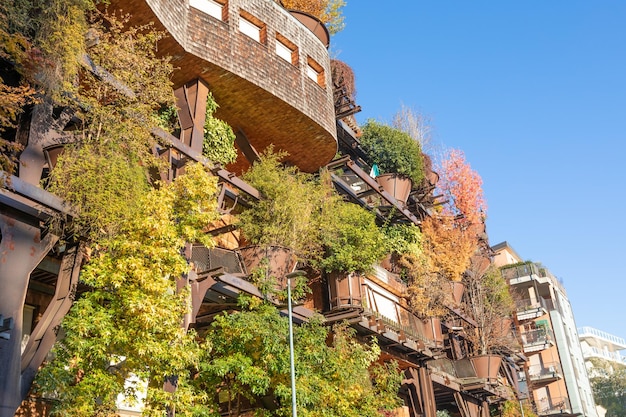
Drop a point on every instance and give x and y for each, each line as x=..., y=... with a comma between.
x=534, y=93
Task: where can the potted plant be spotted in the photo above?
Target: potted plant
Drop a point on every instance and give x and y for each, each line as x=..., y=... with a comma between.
x=353, y=244
x=397, y=156
x=491, y=305
x=281, y=228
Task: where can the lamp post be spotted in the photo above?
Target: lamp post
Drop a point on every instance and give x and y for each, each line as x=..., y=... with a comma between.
x=292, y=365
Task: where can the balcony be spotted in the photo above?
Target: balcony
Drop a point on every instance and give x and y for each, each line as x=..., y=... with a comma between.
x=461, y=375
x=529, y=309
x=552, y=406
x=537, y=340
x=594, y=352
x=586, y=332
x=530, y=271
x=540, y=375
x=374, y=303
x=255, y=58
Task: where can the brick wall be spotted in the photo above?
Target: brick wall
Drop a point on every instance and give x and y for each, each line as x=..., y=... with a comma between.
x=245, y=74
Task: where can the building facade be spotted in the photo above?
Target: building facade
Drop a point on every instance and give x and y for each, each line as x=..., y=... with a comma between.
x=556, y=374
x=270, y=71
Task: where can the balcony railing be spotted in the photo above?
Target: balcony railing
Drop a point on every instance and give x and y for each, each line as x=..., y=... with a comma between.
x=529, y=270
x=586, y=331
x=355, y=295
x=533, y=308
x=537, y=339
x=548, y=406
x=603, y=354
x=545, y=373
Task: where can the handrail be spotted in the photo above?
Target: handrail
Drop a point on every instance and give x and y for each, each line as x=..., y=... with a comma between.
x=590, y=331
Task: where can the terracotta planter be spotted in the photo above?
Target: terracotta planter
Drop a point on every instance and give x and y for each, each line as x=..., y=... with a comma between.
x=432, y=331
x=280, y=261
x=344, y=290
x=399, y=187
x=458, y=288
x=486, y=366
x=52, y=155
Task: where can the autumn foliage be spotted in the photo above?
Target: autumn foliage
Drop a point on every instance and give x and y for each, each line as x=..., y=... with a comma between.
x=451, y=238
x=462, y=187
x=328, y=11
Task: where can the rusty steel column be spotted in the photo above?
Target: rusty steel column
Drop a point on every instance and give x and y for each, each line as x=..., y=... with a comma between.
x=43, y=335
x=21, y=249
x=191, y=100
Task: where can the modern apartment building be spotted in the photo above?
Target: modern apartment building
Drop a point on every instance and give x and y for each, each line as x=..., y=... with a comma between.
x=556, y=374
x=601, y=345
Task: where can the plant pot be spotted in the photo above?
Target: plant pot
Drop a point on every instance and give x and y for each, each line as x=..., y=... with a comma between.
x=432, y=331
x=486, y=366
x=280, y=261
x=458, y=288
x=344, y=290
x=397, y=186
x=52, y=155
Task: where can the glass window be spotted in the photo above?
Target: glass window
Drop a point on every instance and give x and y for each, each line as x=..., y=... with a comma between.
x=210, y=7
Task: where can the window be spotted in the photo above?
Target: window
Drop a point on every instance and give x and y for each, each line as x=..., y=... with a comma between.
x=282, y=51
x=248, y=28
x=286, y=49
x=252, y=27
x=210, y=7
x=315, y=72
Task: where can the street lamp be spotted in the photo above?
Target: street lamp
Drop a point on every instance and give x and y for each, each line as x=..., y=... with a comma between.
x=292, y=365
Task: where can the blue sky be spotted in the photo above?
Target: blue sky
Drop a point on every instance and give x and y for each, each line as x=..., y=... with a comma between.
x=534, y=93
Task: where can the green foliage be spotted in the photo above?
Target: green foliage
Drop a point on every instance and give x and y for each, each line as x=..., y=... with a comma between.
x=511, y=408
x=249, y=363
x=103, y=185
x=393, y=150
x=129, y=323
x=14, y=48
x=106, y=169
x=403, y=239
x=289, y=215
x=353, y=241
x=219, y=139
x=57, y=30
x=609, y=391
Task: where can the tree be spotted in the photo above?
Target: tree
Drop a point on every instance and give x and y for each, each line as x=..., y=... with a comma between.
x=328, y=11
x=490, y=304
x=289, y=215
x=462, y=187
x=413, y=123
x=609, y=389
x=248, y=366
x=129, y=321
x=392, y=150
x=14, y=50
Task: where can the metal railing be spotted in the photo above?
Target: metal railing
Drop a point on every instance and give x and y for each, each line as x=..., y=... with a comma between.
x=603, y=354
x=537, y=337
x=532, y=304
x=586, y=331
x=528, y=270
x=545, y=371
x=547, y=406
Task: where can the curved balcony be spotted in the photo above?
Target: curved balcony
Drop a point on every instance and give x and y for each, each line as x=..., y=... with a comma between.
x=268, y=72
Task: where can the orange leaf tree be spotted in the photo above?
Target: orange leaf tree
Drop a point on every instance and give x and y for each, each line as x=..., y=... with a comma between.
x=328, y=11
x=451, y=238
x=462, y=187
